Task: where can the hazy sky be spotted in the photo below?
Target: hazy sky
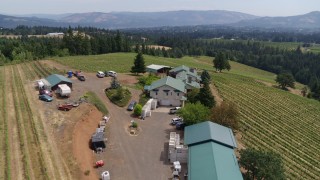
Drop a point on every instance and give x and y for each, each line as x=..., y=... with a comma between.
x=255, y=7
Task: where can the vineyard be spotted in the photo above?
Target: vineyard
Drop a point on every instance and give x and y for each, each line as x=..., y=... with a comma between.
x=271, y=119
x=26, y=148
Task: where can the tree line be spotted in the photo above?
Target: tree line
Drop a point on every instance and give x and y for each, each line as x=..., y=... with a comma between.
x=74, y=42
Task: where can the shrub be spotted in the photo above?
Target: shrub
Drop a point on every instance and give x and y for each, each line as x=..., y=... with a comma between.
x=87, y=172
x=134, y=125
x=137, y=110
x=119, y=96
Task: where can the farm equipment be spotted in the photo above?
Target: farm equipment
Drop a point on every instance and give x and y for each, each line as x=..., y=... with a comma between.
x=65, y=107
x=79, y=75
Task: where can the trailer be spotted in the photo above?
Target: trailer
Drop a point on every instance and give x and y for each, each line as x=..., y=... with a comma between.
x=64, y=90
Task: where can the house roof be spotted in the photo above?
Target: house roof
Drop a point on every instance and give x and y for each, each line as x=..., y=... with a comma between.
x=183, y=71
x=169, y=81
x=212, y=161
x=180, y=68
x=209, y=131
x=155, y=67
x=55, y=79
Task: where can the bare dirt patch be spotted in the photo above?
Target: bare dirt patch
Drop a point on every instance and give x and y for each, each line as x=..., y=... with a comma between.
x=82, y=132
x=216, y=94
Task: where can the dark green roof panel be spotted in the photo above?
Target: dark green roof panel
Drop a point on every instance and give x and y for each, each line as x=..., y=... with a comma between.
x=55, y=79
x=209, y=131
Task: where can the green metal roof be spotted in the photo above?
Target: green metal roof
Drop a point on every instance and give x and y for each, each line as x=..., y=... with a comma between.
x=212, y=161
x=55, y=79
x=183, y=71
x=169, y=81
x=209, y=131
x=180, y=68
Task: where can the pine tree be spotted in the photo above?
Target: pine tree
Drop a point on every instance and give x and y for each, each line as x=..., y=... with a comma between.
x=220, y=62
x=205, y=77
x=139, y=65
x=205, y=96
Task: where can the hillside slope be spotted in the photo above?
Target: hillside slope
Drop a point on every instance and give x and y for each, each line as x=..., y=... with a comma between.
x=271, y=119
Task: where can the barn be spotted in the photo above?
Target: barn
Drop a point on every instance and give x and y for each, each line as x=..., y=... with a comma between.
x=57, y=79
x=158, y=69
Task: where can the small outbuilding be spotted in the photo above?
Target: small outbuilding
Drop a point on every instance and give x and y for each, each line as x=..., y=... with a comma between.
x=158, y=69
x=56, y=79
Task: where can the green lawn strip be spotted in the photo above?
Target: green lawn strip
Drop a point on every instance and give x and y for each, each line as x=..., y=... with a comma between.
x=95, y=100
x=39, y=167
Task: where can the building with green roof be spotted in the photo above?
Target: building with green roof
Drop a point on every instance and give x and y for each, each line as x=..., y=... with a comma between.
x=211, y=152
x=168, y=91
x=56, y=79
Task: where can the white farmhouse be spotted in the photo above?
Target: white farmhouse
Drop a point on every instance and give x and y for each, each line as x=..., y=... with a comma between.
x=168, y=91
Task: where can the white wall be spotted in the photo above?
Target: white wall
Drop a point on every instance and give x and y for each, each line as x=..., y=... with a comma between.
x=172, y=96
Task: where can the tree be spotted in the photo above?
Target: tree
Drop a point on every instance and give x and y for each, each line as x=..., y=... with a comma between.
x=114, y=83
x=220, y=62
x=205, y=96
x=261, y=165
x=139, y=65
x=137, y=110
x=285, y=80
x=194, y=113
x=137, y=48
x=192, y=96
x=205, y=77
x=226, y=114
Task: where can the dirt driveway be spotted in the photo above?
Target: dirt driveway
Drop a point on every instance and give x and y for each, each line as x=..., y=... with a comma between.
x=129, y=157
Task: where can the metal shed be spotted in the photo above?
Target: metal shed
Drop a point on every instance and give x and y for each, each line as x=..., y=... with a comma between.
x=55, y=79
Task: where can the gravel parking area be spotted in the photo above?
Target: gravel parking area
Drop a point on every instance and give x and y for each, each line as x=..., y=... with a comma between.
x=127, y=157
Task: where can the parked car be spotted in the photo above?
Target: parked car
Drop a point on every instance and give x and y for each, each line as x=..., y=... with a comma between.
x=131, y=105
x=111, y=73
x=176, y=120
x=45, y=91
x=65, y=107
x=45, y=97
x=180, y=125
x=174, y=110
x=100, y=74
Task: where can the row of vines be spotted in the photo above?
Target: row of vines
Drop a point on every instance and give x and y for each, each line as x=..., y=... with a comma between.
x=272, y=119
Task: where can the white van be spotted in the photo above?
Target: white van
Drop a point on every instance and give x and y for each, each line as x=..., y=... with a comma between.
x=112, y=74
x=100, y=74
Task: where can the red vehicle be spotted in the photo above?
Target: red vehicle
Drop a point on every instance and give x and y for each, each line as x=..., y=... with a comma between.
x=99, y=163
x=65, y=107
x=79, y=75
x=45, y=91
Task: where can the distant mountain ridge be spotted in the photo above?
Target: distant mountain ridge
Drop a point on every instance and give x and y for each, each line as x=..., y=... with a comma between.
x=309, y=20
x=120, y=20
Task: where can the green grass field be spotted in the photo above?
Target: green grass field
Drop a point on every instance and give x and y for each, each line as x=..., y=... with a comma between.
x=271, y=119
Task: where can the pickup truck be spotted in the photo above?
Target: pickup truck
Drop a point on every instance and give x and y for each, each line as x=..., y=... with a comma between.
x=174, y=110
